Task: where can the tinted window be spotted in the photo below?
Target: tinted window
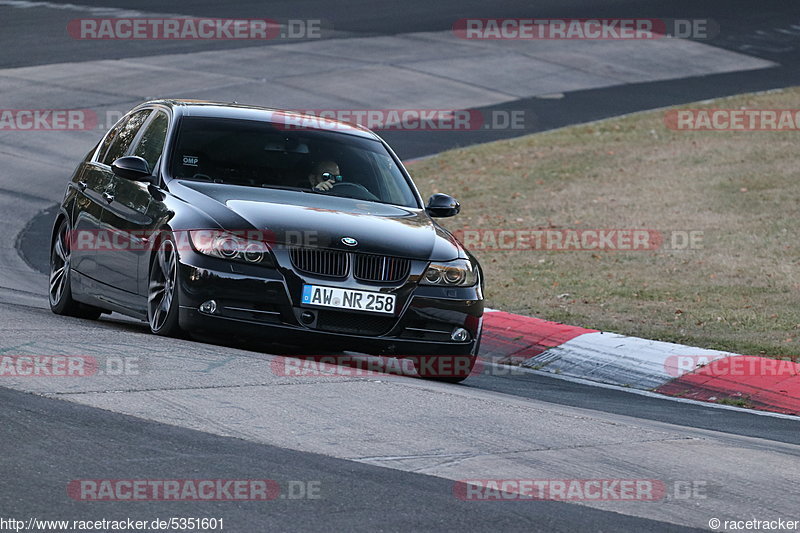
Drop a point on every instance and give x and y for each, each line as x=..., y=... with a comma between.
x=127, y=132
x=257, y=154
x=110, y=136
x=151, y=143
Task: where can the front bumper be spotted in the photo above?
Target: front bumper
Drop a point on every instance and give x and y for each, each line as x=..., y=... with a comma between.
x=262, y=303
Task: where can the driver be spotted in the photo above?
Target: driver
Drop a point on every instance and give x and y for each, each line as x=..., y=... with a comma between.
x=324, y=175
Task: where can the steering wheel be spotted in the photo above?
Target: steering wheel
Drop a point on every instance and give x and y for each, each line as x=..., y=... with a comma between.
x=348, y=189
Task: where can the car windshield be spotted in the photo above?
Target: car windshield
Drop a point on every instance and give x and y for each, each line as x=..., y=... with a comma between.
x=259, y=154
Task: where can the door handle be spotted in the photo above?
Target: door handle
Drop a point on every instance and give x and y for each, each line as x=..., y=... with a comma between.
x=108, y=197
x=82, y=185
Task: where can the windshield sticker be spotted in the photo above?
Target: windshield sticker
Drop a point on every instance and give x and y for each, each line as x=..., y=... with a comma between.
x=190, y=160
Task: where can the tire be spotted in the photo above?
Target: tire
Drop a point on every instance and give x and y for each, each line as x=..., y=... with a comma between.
x=59, y=284
x=162, y=290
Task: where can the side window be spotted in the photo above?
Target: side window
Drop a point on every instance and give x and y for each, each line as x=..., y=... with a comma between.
x=125, y=136
x=152, y=140
x=110, y=136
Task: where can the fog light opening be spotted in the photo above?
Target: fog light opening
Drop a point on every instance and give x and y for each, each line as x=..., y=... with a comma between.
x=209, y=307
x=460, y=335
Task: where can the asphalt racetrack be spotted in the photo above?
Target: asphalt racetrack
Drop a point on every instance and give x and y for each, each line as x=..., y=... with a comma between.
x=375, y=453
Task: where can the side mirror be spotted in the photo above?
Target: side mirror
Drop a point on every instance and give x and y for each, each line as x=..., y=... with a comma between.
x=442, y=205
x=132, y=168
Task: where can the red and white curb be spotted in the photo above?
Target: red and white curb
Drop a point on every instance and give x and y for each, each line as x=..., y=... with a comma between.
x=662, y=367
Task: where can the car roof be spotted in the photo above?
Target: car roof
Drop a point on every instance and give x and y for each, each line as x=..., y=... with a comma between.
x=281, y=117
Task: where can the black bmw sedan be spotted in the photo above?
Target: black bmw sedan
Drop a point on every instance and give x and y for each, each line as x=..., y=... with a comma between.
x=238, y=220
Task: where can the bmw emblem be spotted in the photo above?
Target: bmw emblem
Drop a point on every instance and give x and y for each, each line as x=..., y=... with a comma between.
x=349, y=241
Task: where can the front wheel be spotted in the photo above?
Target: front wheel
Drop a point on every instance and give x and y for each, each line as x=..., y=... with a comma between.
x=162, y=294
x=59, y=285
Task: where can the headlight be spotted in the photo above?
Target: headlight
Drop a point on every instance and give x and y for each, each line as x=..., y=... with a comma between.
x=244, y=246
x=458, y=273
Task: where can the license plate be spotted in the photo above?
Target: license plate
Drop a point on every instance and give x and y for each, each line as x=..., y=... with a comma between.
x=373, y=302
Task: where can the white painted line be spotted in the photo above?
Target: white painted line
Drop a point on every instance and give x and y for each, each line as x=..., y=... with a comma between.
x=620, y=360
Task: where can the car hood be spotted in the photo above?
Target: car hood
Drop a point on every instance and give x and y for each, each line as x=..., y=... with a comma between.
x=310, y=219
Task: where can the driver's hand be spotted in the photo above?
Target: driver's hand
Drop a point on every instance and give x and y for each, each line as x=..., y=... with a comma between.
x=325, y=185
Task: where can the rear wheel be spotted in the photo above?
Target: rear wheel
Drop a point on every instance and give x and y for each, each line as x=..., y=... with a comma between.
x=59, y=286
x=162, y=294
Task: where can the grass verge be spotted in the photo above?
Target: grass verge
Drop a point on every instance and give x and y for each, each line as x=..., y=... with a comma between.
x=736, y=290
